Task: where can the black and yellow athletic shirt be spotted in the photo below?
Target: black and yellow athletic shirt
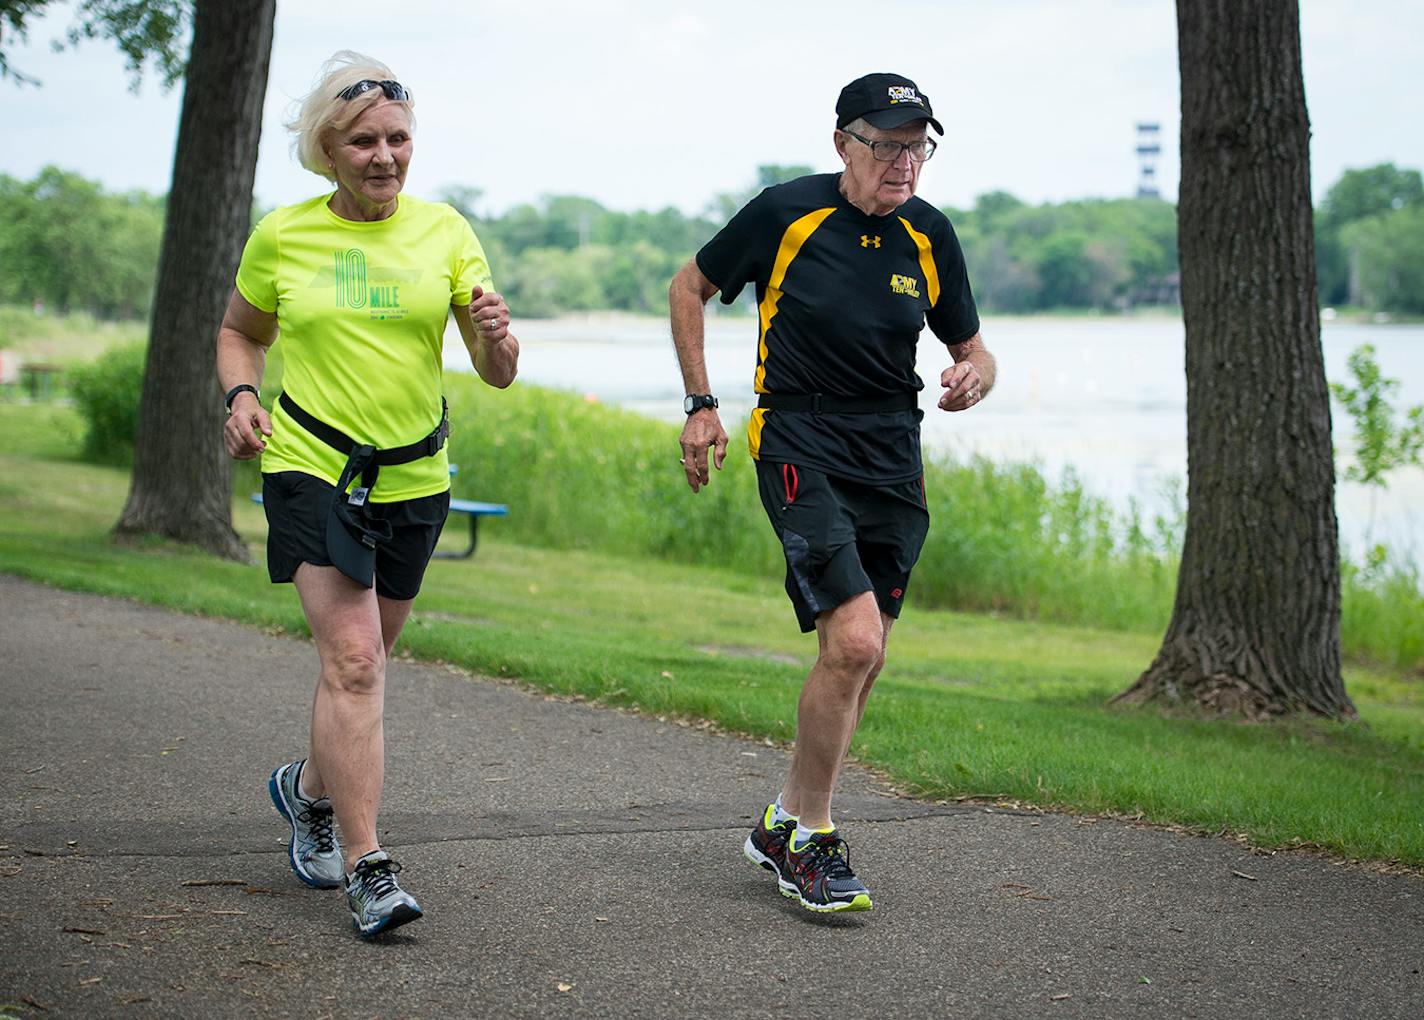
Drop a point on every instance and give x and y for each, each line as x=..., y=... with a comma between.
x=842, y=299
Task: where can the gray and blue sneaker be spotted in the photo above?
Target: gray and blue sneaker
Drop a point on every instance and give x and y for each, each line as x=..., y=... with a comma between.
x=377, y=902
x=313, y=850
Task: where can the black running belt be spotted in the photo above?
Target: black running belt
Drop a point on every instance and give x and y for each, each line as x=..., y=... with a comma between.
x=341, y=442
x=819, y=403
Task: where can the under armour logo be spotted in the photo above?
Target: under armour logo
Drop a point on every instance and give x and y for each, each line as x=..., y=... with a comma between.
x=866, y=241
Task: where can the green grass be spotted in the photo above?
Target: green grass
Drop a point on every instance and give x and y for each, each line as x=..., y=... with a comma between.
x=970, y=705
x=1008, y=540
x=63, y=339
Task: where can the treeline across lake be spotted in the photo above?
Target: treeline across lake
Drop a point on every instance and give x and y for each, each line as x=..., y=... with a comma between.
x=67, y=244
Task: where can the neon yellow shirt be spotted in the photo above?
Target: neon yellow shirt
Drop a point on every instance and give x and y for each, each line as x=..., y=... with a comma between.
x=362, y=309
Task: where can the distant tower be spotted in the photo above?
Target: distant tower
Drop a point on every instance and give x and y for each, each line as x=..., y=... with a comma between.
x=1149, y=147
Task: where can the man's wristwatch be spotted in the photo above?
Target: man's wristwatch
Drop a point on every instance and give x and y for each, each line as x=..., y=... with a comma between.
x=694, y=402
x=232, y=395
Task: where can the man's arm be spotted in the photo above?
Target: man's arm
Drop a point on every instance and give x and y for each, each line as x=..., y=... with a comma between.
x=970, y=378
x=689, y=293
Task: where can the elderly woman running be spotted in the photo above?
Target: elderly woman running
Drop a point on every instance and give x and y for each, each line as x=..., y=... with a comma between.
x=359, y=283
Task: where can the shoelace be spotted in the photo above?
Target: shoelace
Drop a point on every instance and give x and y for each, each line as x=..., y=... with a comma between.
x=379, y=878
x=831, y=856
x=320, y=822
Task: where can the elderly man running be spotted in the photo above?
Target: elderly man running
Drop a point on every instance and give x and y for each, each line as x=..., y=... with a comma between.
x=848, y=267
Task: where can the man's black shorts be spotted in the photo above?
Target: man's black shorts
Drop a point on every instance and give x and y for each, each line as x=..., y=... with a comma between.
x=297, y=506
x=842, y=537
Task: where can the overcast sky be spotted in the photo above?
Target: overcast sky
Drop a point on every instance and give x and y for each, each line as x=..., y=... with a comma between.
x=643, y=104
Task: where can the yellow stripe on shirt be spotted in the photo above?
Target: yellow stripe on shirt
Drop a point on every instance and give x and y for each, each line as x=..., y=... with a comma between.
x=791, y=243
x=790, y=246
x=927, y=263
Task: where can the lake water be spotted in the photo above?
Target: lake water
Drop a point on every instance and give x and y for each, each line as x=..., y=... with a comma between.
x=1106, y=397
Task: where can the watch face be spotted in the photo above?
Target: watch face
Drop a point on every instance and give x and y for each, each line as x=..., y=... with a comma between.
x=688, y=404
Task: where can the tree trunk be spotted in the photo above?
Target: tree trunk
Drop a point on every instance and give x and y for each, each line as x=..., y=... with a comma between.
x=1255, y=630
x=182, y=479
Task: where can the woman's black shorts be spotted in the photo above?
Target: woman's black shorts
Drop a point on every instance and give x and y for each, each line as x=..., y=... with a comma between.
x=298, y=505
x=842, y=537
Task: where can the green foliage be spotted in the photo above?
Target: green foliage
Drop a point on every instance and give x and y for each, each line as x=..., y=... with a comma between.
x=143, y=30
x=1381, y=606
x=12, y=22
x=581, y=475
x=1006, y=540
x=15, y=324
x=64, y=242
x=1362, y=193
x=570, y=254
x=67, y=243
x=106, y=394
x=1374, y=193
x=1102, y=254
x=62, y=339
x=1381, y=444
x=1387, y=254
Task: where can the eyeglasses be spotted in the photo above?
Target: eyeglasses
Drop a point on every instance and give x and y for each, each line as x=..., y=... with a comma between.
x=887, y=151
x=394, y=90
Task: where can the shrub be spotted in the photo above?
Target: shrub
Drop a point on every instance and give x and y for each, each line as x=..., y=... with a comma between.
x=107, y=393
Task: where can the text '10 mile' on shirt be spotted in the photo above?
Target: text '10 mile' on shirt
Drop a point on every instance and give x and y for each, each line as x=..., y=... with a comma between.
x=842, y=298
x=361, y=310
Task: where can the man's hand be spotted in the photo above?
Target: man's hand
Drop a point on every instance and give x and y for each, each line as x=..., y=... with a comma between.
x=970, y=378
x=245, y=427
x=703, y=430
x=962, y=387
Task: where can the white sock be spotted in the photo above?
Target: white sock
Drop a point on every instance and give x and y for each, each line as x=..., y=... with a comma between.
x=779, y=814
x=302, y=787
x=803, y=835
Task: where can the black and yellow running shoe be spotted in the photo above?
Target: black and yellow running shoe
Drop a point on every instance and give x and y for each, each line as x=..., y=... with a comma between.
x=820, y=875
x=766, y=846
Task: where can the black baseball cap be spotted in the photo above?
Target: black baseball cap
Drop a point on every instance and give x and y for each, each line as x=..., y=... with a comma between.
x=885, y=100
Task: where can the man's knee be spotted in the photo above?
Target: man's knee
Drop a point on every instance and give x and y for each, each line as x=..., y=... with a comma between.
x=857, y=649
x=355, y=670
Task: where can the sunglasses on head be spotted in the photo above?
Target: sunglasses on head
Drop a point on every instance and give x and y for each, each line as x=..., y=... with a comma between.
x=393, y=90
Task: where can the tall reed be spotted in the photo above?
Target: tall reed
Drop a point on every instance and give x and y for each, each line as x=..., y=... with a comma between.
x=1004, y=538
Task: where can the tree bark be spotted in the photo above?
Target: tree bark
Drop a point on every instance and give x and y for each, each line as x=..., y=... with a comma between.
x=182, y=479
x=1255, y=629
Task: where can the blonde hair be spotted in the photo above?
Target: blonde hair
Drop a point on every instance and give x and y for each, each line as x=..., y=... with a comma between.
x=322, y=112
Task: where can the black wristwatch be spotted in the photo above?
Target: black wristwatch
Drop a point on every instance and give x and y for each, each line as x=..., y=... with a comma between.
x=232, y=394
x=694, y=402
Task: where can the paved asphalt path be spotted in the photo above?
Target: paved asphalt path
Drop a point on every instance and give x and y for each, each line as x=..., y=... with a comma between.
x=577, y=861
